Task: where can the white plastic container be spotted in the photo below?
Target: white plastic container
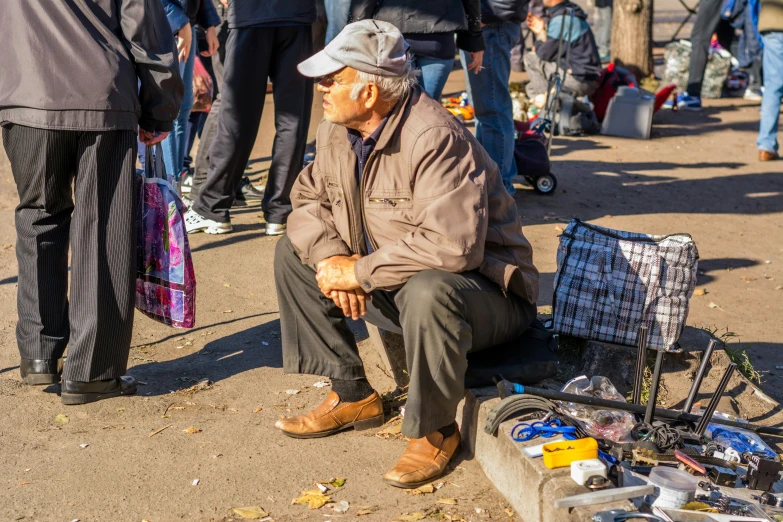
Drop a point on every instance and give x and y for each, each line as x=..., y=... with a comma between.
x=674, y=488
x=581, y=470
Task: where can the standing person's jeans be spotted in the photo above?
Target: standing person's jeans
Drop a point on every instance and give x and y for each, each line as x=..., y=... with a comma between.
x=488, y=91
x=602, y=28
x=337, y=13
x=434, y=74
x=175, y=144
x=773, y=91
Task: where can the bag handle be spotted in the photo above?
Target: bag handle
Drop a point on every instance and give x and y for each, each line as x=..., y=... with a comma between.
x=158, y=168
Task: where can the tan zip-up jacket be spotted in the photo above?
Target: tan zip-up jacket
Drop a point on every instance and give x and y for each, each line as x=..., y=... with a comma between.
x=430, y=198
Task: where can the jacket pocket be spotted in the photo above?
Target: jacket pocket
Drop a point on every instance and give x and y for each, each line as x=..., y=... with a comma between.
x=381, y=200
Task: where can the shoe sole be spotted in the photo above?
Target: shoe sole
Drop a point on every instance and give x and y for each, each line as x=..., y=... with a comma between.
x=367, y=424
x=274, y=233
x=71, y=399
x=40, y=379
x=219, y=230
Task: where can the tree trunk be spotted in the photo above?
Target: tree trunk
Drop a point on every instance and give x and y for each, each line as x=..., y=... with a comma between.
x=632, y=36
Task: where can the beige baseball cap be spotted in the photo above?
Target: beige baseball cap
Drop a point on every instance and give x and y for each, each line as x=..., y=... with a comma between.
x=370, y=46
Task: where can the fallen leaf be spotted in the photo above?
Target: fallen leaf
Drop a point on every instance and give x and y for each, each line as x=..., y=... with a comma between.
x=336, y=482
x=365, y=511
x=700, y=291
x=450, y=501
x=341, y=507
x=191, y=430
x=62, y=418
x=313, y=498
x=713, y=305
x=426, y=489
x=510, y=512
x=747, y=278
x=250, y=512
x=258, y=410
x=413, y=517
x=227, y=285
x=159, y=430
x=393, y=429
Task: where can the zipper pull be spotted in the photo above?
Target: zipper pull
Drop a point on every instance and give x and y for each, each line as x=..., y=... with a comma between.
x=390, y=202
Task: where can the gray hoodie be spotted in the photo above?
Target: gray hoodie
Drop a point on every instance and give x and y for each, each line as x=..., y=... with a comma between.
x=88, y=65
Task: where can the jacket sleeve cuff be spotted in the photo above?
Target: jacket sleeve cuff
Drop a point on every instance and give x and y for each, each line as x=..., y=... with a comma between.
x=209, y=16
x=362, y=272
x=152, y=125
x=177, y=19
x=471, y=42
x=326, y=250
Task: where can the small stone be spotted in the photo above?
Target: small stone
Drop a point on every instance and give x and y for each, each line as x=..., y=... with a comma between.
x=195, y=482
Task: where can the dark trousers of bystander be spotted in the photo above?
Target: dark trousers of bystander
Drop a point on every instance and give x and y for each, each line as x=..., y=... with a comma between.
x=210, y=126
x=442, y=317
x=707, y=22
x=97, y=321
x=254, y=54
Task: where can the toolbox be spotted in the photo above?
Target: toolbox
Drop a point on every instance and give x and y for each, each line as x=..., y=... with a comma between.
x=561, y=454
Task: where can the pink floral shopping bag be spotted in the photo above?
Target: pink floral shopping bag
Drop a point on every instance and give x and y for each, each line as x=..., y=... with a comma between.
x=165, y=279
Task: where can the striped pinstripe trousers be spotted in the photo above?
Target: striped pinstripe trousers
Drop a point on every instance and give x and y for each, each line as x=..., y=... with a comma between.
x=77, y=189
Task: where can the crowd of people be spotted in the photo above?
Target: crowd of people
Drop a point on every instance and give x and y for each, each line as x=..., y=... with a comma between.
x=403, y=218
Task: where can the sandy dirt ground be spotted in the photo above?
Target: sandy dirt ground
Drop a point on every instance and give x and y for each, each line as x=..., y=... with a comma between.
x=698, y=174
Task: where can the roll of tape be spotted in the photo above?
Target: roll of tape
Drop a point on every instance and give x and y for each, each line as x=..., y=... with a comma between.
x=581, y=470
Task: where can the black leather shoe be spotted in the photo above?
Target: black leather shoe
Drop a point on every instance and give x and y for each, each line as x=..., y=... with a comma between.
x=247, y=192
x=77, y=392
x=41, y=371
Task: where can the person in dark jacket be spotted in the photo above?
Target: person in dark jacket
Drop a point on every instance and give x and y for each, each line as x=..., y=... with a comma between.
x=183, y=15
x=266, y=40
x=429, y=28
x=580, y=66
x=488, y=88
x=79, y=83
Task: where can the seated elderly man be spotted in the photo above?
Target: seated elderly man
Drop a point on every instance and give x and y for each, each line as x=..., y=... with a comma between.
x=402, y=220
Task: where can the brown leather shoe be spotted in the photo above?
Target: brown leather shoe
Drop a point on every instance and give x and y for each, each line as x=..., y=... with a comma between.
x=765, y=155
x=424, y=460
x=332, y=416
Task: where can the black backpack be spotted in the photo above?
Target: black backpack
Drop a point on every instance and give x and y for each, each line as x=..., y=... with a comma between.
x=526, y=360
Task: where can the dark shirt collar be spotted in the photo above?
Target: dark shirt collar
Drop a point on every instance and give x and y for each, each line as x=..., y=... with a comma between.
x=354, y=136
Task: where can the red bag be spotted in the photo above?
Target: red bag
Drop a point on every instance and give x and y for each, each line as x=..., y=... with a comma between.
x=202, y=88
x=611, y=78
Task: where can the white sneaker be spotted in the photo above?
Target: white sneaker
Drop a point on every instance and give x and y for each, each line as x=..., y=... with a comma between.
x=187, y=184
x=275, y=229
x=195, y=222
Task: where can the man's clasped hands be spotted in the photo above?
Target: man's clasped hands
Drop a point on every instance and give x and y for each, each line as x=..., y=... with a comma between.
x=337, y=281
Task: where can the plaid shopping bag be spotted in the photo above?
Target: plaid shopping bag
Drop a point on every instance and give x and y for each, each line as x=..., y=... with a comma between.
x=165, y=278
x=609, y=283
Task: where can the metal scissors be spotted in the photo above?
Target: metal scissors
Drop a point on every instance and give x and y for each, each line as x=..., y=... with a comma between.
x=525, y=431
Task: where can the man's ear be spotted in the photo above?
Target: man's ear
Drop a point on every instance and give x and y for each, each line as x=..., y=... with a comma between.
x=372, y=95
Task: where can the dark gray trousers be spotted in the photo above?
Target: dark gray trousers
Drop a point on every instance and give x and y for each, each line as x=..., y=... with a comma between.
x=210, y=126
x=100, y=228
x=254, y=54
x=708, y=21
x=442, y=317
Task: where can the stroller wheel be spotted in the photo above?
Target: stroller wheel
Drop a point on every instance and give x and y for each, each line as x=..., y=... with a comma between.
x=545, y=184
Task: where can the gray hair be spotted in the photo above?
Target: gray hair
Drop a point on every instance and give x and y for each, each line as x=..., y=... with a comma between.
x=390, y=88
